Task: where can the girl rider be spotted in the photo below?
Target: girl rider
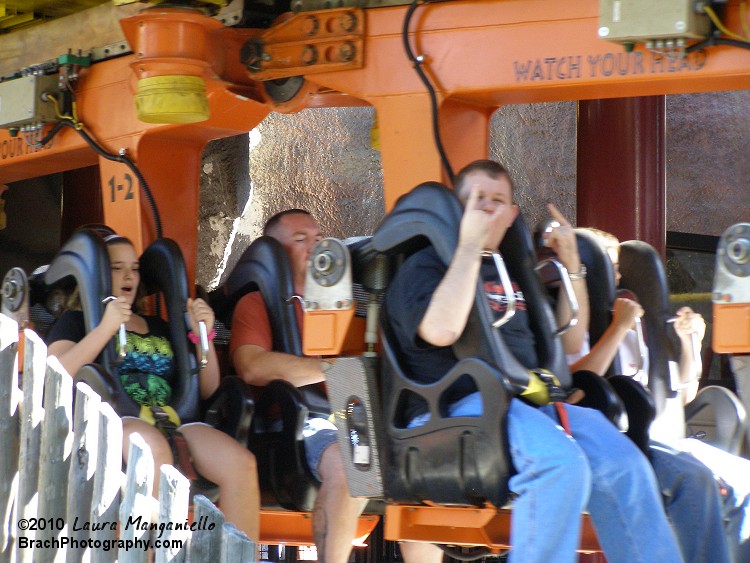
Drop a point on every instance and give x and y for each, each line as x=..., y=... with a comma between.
x=146, y=374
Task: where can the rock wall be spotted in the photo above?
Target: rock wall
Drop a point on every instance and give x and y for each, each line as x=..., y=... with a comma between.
x=321, y=160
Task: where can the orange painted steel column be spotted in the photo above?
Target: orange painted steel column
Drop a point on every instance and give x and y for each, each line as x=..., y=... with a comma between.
x=408, y=149
x=622, y=168
x=121, y=202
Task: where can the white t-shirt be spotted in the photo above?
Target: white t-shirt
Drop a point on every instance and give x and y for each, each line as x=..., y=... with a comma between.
x=628, y=354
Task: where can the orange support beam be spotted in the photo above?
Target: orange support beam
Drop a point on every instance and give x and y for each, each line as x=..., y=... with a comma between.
x=295, y=528
x=463, y=526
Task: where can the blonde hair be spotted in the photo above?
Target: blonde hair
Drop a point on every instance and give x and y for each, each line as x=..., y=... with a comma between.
x=608, y=240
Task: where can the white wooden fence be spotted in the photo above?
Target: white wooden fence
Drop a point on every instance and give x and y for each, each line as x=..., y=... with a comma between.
x=63, y=496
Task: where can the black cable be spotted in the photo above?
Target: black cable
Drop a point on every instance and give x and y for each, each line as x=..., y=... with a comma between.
x=129, y=163
x=48, y=137
x=417, y=62
x=714, y=41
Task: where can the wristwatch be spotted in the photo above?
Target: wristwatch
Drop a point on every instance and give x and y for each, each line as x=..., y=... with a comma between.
x=579, y=275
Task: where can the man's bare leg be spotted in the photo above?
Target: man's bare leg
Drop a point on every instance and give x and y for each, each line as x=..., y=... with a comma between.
x=420, y=552
x=335, y=514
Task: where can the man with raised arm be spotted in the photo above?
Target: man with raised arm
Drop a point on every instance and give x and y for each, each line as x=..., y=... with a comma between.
x=427, y=307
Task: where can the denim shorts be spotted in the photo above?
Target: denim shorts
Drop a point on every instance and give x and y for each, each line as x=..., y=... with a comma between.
x=318, y=434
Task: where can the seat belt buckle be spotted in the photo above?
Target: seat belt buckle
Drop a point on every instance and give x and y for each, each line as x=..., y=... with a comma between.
x=556, y=393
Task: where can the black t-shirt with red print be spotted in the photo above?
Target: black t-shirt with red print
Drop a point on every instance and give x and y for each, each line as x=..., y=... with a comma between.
x=406, y=303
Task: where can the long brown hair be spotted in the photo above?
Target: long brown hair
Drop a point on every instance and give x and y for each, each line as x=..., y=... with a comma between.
x=73, y=302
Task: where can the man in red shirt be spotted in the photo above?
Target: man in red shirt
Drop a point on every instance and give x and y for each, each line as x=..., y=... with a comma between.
x=335, y=513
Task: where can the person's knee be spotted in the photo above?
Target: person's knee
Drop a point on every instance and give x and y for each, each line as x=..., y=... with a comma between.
x=575, y=473
x=155, y=440
x=331, y=468
x=160, y=450
x=696, y=478
x=568, y=463
x=630, y=457
x=244, y=462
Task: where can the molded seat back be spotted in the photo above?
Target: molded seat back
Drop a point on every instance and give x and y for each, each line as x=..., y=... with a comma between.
x=83, y=261
x=264, y=267
x=717, y=417
x=600, y=284
x=280, y=408
x=643, y=273
x=461, y=460
x=163, y=270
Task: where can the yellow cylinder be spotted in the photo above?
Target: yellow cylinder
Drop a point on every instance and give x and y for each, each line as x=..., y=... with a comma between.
x=172, y=99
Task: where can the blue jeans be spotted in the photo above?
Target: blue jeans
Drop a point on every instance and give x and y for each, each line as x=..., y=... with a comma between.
x=558, y=477
x=693, y=503
x=734, y=471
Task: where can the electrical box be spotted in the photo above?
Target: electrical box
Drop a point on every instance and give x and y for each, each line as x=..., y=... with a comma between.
x=21, y=101
x=641, y=21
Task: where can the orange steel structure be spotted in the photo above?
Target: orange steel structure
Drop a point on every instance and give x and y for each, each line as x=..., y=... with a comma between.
x=479, y=54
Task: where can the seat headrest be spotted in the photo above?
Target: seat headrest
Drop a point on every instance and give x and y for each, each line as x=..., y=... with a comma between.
x=265, y=254
x=643, y=273
x=264, y=267
x=600, y=281
x=84, y=261
x=430, y=214
x=100, y=229
x=162, y=268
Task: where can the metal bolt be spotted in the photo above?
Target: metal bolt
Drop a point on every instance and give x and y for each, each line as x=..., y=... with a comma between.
x=347, y=51
x=348, y=22
x=311, y=25
x=309, y=55
x=10, y=289
x=739, y=251
x=323, y=262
